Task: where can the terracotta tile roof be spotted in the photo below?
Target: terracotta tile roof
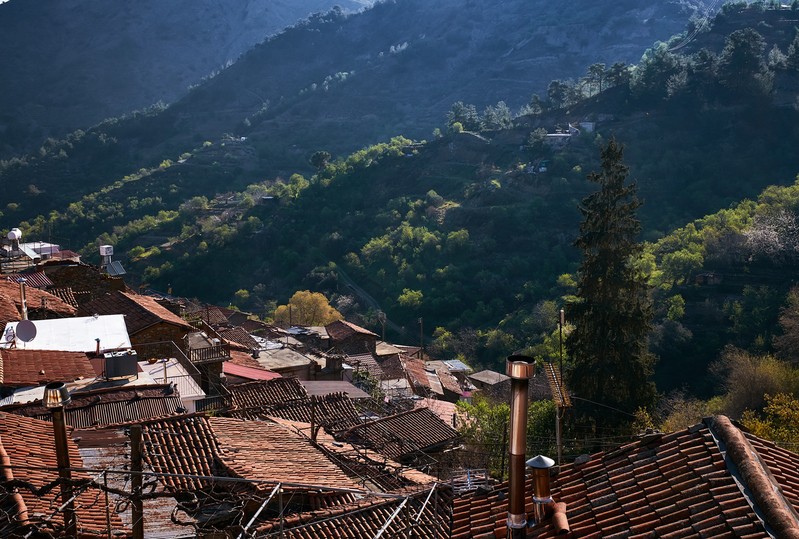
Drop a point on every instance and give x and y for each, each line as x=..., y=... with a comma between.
x=140, y=311
x=372, y=470
x=244, y=359
x=448, y=381
x=261, y=451
x=262, y=329
x=210, y=314
x=368, y=516
x=271, y=452
x=66, y=254
x=365, y=362
x=423, y=381
x=341, y=330
x=684, y=484
x=447, y=411
x=32, y=458
x=110, y=406
x=20, y=367
x=334, y=412
x=185, y=446
x=402, y=435
x=152, y=307
x=264, y=393
x=8, y=311
x=66, y=294
x=238, y=336
x=11, y=303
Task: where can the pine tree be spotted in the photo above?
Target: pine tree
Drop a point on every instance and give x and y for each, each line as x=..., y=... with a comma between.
x=611, y=362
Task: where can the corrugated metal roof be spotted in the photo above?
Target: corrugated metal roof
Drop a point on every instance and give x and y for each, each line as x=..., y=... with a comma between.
x=250, y=373
x=456, y=365
x=36, y=279
x=400, y=436
x=104, y=407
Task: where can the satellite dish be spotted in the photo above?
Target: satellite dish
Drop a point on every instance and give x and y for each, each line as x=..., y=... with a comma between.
x=26, y=330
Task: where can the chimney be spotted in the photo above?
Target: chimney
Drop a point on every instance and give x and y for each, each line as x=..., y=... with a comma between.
x=541, y=494
x=23, y=299
x=520, y=369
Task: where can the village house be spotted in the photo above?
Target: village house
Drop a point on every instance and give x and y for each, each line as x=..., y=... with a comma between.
x=38, y=304
x=350, y=338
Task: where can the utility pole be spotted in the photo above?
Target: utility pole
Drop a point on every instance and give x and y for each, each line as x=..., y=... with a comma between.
x=421, y=338
x=560, y=395
x=559, y=408
x=56, y=396
x=137, y=508
x=381, y=317
x=561, y=323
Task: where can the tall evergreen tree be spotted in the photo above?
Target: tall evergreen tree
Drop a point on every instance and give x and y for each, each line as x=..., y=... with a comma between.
x=611, y=362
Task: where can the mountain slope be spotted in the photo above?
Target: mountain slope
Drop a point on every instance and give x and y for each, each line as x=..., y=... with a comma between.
x=339, y=83
x=71, y=64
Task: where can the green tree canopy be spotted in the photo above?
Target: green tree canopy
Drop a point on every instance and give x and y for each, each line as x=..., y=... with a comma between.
x=464, y=114
x=319, y=159
x=742, y=68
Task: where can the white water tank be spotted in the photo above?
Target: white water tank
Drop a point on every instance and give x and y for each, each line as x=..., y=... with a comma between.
x=106, y=250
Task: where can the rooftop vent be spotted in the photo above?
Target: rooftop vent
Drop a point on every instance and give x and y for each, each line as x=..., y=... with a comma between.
x=541, y=490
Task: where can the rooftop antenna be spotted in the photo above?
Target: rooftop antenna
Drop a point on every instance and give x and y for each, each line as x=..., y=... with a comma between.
x=559, y=392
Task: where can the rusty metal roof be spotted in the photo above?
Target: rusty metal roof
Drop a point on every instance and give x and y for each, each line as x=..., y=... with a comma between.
x=109, y=406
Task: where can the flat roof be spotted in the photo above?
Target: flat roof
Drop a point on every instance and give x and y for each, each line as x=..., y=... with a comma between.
x=76, y=334
x=320, y=388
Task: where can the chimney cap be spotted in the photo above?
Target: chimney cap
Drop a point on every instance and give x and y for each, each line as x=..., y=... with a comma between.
x=56, y=395
x=540, y=462
x=520, y=367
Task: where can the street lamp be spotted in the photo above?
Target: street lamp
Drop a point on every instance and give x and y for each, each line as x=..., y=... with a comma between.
x=56, y=396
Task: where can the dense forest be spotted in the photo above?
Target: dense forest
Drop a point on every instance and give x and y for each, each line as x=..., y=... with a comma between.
x=472, y=230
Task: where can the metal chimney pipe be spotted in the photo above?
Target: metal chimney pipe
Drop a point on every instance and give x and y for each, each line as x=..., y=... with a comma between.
x=541, y=489
x=520, y=369
x=23, y=298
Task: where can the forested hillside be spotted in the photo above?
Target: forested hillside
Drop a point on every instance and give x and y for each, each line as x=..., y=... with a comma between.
x=70, y=64
x=472, y=230
x=338, y=83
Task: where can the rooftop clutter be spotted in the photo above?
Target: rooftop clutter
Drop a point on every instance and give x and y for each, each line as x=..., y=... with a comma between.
x=256, y=430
